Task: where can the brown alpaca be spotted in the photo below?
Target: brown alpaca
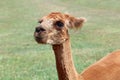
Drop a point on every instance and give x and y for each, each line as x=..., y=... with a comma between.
x=53, y=29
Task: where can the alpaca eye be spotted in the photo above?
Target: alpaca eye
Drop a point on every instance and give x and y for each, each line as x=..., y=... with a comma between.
x=59, y=24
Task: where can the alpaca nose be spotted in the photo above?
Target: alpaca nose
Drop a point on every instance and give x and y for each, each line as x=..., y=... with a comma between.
x=39, y=29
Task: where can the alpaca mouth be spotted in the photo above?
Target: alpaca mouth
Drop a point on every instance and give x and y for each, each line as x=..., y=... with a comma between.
x=39, y=38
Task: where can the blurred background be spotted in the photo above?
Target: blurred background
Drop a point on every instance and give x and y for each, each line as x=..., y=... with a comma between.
x=21, y=58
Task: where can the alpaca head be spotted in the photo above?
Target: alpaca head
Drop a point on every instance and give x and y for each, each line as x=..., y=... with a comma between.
x=53, y=28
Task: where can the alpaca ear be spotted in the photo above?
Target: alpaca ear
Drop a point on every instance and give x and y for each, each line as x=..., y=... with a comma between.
x=73, y=22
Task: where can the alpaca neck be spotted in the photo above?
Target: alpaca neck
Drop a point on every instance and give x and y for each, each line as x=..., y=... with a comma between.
x=64, y=61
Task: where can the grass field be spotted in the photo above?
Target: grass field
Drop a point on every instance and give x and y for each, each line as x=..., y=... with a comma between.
x=21, y=58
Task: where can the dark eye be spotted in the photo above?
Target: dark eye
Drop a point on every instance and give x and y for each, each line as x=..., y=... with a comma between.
x=59, y=24
x=40, y=21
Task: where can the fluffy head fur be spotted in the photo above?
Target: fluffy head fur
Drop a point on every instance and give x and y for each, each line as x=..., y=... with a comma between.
x=53, y=28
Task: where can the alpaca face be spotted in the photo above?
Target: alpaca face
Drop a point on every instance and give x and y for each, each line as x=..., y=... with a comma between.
x=53, y=28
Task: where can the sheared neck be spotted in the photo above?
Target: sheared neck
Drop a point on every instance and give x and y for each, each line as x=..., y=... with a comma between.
x=64, y=61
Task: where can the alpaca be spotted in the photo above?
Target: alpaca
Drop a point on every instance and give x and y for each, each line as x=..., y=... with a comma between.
x=53, y=30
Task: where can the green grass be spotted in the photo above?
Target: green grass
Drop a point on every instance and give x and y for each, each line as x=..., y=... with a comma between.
x=21, y=58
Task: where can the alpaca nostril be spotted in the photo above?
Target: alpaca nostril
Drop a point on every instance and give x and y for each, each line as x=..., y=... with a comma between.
x=39, y=29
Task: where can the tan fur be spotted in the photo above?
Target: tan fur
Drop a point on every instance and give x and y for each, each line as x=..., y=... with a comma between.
x=108, y=68
x=53, y=29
